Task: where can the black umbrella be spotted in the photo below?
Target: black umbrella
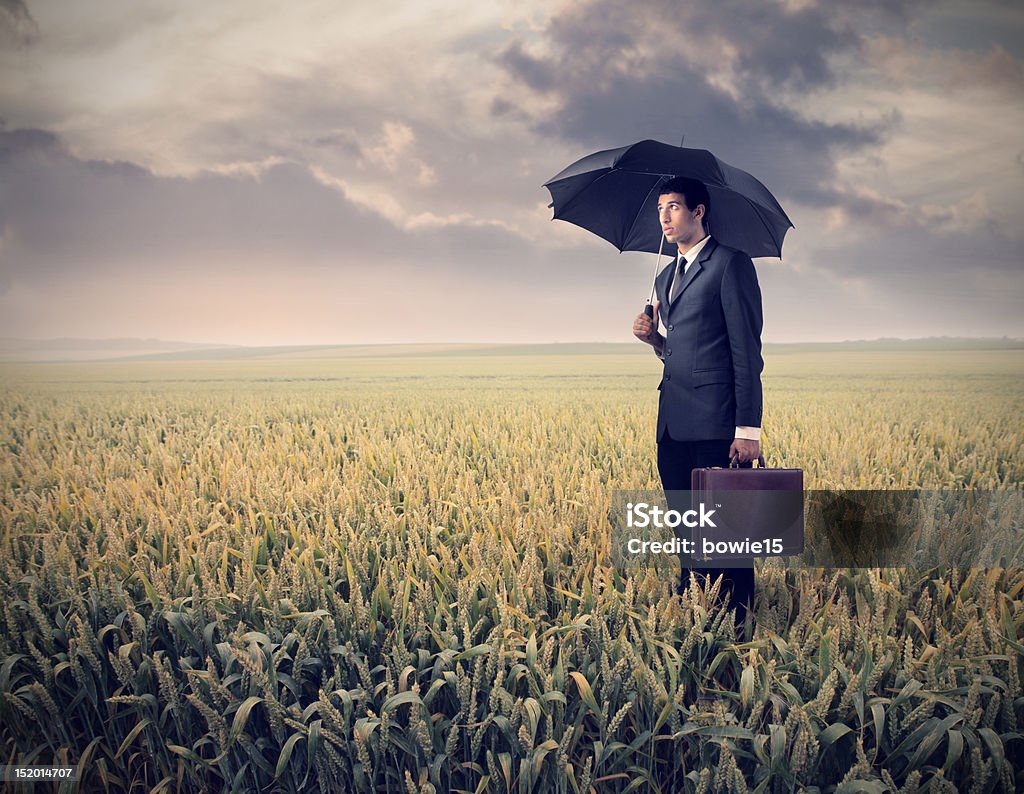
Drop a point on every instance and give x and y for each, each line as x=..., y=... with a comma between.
x=614, y=194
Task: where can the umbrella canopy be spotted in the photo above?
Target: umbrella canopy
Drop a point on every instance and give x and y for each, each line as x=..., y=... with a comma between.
x=614, y=194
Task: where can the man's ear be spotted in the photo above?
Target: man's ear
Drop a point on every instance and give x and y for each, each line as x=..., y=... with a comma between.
x=701, y=211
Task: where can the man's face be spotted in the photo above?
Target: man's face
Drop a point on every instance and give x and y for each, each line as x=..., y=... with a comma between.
x=680, y=225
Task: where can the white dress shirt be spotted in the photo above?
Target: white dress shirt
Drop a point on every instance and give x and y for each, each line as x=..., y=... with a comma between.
x=691, y=256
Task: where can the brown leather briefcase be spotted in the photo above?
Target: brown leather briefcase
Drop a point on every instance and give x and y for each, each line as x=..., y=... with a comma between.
x=757, y=512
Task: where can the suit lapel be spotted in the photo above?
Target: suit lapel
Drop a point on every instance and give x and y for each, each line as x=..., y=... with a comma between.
x=693, y=270
x=661, y=284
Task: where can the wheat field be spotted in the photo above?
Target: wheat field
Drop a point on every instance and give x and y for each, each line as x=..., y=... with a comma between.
x=389, y=571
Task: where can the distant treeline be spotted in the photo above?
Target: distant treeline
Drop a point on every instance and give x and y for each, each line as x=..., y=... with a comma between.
x=929, y=343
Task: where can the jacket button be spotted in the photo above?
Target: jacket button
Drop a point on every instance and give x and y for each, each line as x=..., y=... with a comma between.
x=670, y=328
x=668, y=377
x=668, y=352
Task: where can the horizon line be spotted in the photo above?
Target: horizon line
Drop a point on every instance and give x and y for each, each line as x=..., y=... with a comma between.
x=157, y=340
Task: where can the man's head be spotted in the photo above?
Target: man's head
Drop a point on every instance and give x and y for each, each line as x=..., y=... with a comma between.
x=683, y=209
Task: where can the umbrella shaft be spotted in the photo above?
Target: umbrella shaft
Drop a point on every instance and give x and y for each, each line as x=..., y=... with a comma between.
x=657, y=266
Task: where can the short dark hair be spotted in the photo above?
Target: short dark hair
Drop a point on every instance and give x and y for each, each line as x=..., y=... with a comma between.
x=693, y=191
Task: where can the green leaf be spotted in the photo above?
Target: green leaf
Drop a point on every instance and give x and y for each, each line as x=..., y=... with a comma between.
x=833, y=732
x=553, y=695
x=83, y=761
x=746, y=686
x=365, y=726
x=878, y=714
x=436, y=685
x=586, y=693
x=531, y=651
x=286, y=753
x=532, y=713
x=313, y=742
x=638, y=781
x=131, y=736
x=178, y=621
x=5, y=670
x=792, y=696
x=664, y=715
x=476, y=650
x=909, y=689
x=931, y=741
x=862, y=787
x=540, y=752
x=184, y=752
x=401, y=699
x=259, y=638
x=505, y=762
x=954, y=749
x=759, y=744
x=778, y=745
x=995, y=746
x=242, y=717
x=151, y=593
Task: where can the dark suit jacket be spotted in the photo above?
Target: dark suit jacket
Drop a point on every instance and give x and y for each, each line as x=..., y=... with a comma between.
x=712, y=354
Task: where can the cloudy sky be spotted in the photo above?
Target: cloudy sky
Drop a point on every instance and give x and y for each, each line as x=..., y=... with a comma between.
x=318, y=172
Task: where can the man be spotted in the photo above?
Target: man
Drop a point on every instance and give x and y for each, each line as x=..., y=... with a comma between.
x=709, y=411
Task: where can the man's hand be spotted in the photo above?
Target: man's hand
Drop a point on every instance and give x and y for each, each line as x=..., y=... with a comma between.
x=646, y=328
x=744, y=450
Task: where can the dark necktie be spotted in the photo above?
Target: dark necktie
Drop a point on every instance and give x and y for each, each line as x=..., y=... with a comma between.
x=677, y=279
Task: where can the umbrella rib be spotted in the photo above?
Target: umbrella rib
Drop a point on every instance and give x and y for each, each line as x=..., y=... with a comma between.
x=609, y=172
x=767, y=228
x=637, y=216
x=568, y=202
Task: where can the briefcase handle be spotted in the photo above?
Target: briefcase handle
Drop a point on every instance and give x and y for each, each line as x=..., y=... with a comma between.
x=734, y=464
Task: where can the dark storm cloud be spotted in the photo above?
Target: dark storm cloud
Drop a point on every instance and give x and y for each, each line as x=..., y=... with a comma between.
x=978, y=25
x=615, y=82
x=59, y=212
x=493, y=172
x=17, y=27
x=89, y=244
x=61, y=215
x=537, y=73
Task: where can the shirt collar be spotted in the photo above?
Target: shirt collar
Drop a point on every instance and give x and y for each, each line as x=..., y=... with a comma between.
x=694, y=251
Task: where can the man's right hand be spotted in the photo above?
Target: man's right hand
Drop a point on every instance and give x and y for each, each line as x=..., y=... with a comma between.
x=646, y=328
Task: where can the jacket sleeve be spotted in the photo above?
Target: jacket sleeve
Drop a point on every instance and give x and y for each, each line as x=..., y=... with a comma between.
x=741, y=304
